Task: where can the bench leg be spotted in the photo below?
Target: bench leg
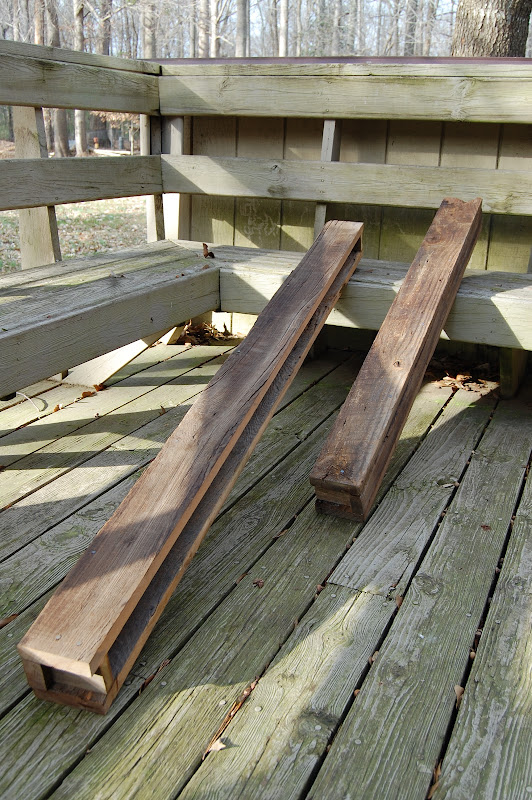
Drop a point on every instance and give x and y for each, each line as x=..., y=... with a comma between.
x=512, y=366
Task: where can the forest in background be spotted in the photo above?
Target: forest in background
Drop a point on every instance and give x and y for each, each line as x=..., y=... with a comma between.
x=250, y=28
x=228, y=28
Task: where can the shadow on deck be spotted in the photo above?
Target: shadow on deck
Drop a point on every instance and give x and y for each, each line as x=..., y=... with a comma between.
x=301, y=655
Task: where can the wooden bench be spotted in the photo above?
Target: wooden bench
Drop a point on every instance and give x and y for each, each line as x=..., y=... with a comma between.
x=253, y=159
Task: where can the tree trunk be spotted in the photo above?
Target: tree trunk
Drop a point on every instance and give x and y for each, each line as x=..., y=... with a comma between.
x=298, y=27
x=491, y=28
x=148, y=31
x=80, y=127
x=215, y=42
x=410, y=31
x=203, y=29
x=59, y=115
x=274, y=31
x=241, y=32
x=337, y=14
x=39, y=22
x=432, y=7
x=283, y=29
x=104, y=44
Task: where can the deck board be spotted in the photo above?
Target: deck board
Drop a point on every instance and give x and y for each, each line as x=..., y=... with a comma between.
x=309, y=650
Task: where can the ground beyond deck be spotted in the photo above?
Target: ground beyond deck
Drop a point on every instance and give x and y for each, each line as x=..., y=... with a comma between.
x=313, y=657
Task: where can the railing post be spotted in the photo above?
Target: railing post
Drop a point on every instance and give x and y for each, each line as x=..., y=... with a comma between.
x=176, y=138
x=150, y=144
x=330, y=151
x=39, y=239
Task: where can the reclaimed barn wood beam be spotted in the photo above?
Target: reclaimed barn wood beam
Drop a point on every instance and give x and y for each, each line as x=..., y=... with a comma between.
x=82, y=645
x=352, y=463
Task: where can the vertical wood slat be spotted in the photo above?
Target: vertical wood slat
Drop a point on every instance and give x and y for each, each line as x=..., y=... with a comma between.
x=150, y=144
x=303, y=138
x=330, y=151
x=213, y=218
x=176, y=134
x=258, y=221
x=511, y=236
x=411, y=144
x=39, y=238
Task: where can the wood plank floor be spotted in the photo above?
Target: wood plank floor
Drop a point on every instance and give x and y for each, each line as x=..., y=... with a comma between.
x=302, y=656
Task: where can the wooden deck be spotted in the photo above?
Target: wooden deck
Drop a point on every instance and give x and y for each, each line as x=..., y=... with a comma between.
x=313, y=657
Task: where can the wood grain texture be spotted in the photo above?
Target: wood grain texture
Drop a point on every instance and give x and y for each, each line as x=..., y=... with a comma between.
x=106, y=313
x=212, y=219
x=295, y=562
x=488, y=753
x=385, y=67
x=502, y=191
x=400, y=719
x=279, y=739
x=141, y=622
x=30, y=182
x=249, y=530
x=352, y=463
x=203, y=445
x=61, y=54
x=406, y=519
x=35, y=82
x=39, y=239
x=487, y=99
x=490, y=308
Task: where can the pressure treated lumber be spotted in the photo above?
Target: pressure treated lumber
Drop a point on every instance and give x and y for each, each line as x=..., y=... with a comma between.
x=31, y=182
x=62, y=326
x=351, y=466
x=503, y=191
x=486, y=98
x=76, y=632
x=36, y=82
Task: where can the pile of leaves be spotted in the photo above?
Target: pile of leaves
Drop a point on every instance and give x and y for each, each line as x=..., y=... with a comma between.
x=202, y=333
x=453, y=372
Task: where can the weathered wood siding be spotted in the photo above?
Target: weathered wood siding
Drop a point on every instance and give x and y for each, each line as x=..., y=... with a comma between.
x=396, y=198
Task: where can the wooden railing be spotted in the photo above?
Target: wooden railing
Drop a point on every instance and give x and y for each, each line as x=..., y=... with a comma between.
x=247, y=153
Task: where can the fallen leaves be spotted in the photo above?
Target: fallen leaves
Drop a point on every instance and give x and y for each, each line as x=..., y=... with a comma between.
x=202, y=333
x=7, y=620
x=435, y=780
x=149, y=679
x=258, y=582
x=87, y=394
x=452, y=373
x=459, y=691
x=206, y=252
x=216, y=740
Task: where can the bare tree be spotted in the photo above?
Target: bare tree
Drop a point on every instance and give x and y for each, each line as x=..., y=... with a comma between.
x=148, y=30
x=80, y=127
x=283, y=28
x=59, y=116
x=214, y=41
x=203, y=28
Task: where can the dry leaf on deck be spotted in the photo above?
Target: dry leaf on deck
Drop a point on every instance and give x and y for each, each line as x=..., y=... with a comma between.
x=258, y=582
x=87, y=394
x=216, y=746
x=459, y=692
x=7, y=620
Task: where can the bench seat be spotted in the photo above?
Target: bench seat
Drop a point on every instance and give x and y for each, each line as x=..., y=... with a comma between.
x=60, y=315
